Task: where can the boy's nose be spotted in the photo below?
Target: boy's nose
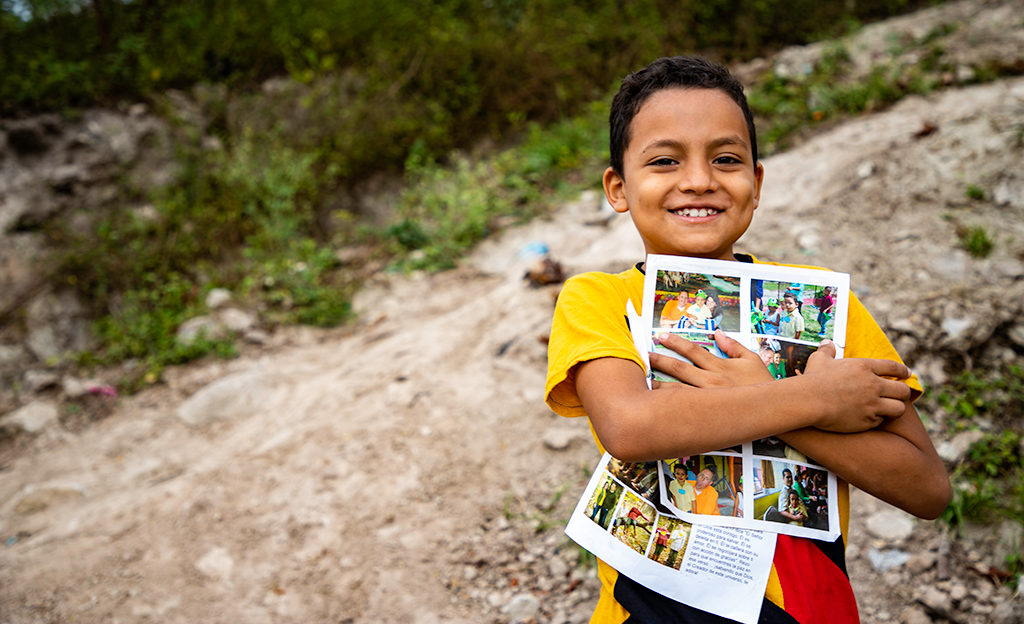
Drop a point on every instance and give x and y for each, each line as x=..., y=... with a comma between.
x=697, y=177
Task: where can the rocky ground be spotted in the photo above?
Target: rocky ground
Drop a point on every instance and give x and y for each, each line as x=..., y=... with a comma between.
x=405, y=469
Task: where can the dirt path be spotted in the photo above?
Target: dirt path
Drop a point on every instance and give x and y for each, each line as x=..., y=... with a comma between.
x=406, y=470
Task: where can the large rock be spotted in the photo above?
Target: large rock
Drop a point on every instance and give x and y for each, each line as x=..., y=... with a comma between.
x=235, y=396
x=31, y=418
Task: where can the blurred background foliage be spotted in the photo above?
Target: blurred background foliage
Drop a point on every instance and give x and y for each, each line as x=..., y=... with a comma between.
x=489, y=110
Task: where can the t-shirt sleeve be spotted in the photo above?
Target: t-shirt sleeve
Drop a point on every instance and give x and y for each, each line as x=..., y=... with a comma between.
x=867, y=340
x=589, y=323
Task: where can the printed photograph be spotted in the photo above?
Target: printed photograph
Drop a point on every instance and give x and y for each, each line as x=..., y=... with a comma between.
x=602, y=503
x=697, y=301
x=633, y=523
x=792, y=310
x=641, y=477
x=782, y=357
x=705, y=340
x=788, y=493
x=705, y=484
x=670, y=538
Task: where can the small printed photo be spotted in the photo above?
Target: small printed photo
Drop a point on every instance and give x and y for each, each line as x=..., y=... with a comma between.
x=704, y=340
x=783, y=358
x=705, y=484
x=791, y=310
x=670, y=538
x=603, y=502
x=697, y=301
x=774, y=447
x=787, y=493
x=641, y=477
x=634, y=522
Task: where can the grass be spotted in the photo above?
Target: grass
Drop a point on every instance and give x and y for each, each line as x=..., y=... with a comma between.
x=976, y=241
x=973, y=191
x=988, y=485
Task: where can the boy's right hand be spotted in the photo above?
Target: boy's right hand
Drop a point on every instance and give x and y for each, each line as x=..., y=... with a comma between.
x=858, y=393
x=743, y=367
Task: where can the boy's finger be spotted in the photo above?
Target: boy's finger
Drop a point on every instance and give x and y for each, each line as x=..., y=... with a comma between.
x=826, y=348
x=731, y=347
x=895, y=390
x=683, y=371
x=888, y=368
x=891, y=408
x=691, y=351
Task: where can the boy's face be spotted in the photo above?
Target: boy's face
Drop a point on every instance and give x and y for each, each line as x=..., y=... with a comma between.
x=680, y=474
x=688, y=175
x=790, y=304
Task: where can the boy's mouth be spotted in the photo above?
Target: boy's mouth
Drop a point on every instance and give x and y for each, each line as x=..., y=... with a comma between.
x=695, y=212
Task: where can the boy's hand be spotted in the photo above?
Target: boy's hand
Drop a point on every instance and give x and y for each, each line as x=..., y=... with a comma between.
x=743, y=368
x=859, y=395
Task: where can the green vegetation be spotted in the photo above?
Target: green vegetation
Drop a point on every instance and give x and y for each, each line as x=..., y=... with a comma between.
x=988, y=486
x=975, y=241
x=974, y=191
x=394, y=87
x=786, y=104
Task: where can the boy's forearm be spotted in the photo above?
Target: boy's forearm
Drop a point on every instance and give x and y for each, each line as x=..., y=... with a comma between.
x=894, y=462
x=636, y=424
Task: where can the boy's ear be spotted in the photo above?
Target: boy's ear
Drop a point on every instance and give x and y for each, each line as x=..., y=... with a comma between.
x=615, y=190
x=758, y=180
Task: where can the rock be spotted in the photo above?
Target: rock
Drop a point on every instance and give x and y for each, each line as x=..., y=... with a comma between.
x=558, y=439
x=1016, y=334
x=217, y=297
x=919, y=563
x=42, y=343
x=11, y=355
x=915, y=615
x=935, y=601
x=75, y=388
x=36, y=381
x=235, y=396
x=865, y=169
x=257, y=336
x=236, y=320
x=883, y=561
x=953, y=451
x=40, y=497
x=216, y=564
x=957, y=592
x=522, y=608
x=891, y=525
x=197, y=326
x=558, y=568
x=955, y=328
x=1006, y=613
x=1009, y=193
x=31, y=136
x=31, y=418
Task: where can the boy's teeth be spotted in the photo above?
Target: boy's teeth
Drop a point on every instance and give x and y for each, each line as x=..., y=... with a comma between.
x=696, y=212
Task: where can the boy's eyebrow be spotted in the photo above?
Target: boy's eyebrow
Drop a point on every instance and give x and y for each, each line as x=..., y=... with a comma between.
x=679, y=145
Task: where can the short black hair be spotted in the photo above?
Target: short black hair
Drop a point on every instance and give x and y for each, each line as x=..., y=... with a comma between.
x=686, y=72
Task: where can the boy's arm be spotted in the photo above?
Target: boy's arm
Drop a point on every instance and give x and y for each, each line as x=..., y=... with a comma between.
x=729, y=401
x=894, y=462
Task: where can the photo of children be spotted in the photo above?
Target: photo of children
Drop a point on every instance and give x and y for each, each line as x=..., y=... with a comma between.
x=788, y=493
x=704, y=484
x=793, y=310
x=633, y=522
x=670, y=538
x=782, y=357
x=697, y=302
x=603, y=501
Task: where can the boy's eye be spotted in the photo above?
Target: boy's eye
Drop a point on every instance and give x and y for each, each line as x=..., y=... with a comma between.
x=663, y=162
x=726, y=160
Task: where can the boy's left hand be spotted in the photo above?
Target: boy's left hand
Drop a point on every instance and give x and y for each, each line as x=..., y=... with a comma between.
x=742, y=368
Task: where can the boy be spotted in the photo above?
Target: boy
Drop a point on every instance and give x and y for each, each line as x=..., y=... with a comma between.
x=683, y=164
x=792, y=324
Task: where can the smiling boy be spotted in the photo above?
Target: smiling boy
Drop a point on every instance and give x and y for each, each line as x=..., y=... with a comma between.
x=684, y=165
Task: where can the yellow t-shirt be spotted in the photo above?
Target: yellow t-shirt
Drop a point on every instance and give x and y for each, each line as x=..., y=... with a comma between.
x=808, y=582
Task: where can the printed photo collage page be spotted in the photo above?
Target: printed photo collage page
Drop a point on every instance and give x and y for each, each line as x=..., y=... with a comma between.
x=622, y=519
x=782, y=314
